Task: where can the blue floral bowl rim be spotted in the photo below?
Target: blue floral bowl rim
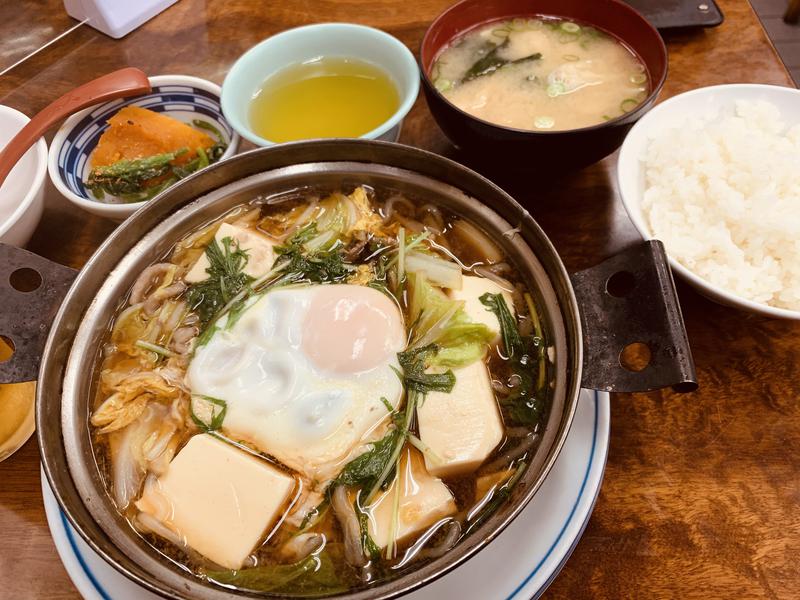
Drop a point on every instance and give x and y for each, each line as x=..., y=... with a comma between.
x=123, y=210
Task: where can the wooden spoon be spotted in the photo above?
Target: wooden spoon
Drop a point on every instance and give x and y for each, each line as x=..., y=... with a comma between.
x=119, y=84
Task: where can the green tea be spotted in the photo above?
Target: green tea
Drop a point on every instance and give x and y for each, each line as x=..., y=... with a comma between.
x=327, y=97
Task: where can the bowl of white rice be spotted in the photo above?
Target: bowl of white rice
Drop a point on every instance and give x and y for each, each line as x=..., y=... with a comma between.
x=715, y=174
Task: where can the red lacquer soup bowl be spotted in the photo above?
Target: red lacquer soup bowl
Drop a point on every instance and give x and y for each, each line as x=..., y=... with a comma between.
x=563, y=150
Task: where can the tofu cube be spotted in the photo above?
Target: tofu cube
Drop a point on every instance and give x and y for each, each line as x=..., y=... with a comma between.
x=424, y=500
x=260, y=253
x=221, y=500
x=472, y=289
x=462, y=428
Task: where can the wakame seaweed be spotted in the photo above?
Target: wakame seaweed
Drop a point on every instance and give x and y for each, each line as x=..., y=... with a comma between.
x=491, y=61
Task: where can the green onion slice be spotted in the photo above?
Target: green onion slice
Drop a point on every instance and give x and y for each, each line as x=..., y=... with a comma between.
x=556, y=89
x=628, y=105
x=442, y=84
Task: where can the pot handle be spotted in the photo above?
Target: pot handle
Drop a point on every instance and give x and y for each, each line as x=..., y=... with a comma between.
x=634, y=338
x=31, y=291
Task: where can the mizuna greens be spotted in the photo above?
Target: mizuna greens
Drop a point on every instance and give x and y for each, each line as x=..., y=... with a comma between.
x=525, y=354
x=491, y=60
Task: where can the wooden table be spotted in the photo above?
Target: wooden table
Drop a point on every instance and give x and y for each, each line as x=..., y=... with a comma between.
x=702, y=492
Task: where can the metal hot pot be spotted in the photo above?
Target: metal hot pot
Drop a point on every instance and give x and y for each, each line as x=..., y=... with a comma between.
x=587, y=325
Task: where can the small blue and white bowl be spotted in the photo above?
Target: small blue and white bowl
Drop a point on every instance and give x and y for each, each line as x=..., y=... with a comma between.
x=310, y=42
x=179, y=96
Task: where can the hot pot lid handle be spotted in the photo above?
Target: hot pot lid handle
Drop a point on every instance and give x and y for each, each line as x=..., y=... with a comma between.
x=634, y=339
x=31, y=291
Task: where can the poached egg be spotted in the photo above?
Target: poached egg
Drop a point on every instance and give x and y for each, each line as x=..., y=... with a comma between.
x=303, y=372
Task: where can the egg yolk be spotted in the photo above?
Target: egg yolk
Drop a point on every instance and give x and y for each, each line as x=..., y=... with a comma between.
x=352, y=333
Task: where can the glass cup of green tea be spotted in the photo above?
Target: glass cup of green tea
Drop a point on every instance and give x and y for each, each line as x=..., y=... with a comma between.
x=332, y=80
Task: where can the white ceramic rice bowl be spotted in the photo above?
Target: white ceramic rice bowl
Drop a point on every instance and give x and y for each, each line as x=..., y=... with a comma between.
x=696, y=103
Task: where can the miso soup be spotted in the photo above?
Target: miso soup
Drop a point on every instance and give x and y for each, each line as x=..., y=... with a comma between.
x=541, y=74
x=319, y=391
